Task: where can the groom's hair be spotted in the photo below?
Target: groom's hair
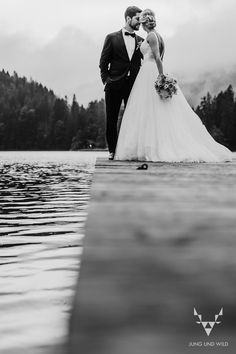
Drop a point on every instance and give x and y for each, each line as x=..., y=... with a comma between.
x=131, y=11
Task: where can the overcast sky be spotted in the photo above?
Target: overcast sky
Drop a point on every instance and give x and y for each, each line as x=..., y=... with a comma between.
x=58, y=42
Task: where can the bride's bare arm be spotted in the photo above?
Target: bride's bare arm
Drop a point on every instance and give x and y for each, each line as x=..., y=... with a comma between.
x=153, y=42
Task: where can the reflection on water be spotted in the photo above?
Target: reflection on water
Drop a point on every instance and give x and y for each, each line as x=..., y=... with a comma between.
x=43, y=201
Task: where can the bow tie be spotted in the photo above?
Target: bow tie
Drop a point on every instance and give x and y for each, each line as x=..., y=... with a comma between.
x=130, y=34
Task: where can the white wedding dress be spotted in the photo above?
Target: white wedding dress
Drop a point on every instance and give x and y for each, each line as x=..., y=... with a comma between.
x=153, y=129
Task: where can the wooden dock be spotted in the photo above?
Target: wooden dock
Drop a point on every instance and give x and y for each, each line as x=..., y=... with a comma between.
x=158, y=243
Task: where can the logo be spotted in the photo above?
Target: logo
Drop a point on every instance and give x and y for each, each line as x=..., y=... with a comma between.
x=208, y=325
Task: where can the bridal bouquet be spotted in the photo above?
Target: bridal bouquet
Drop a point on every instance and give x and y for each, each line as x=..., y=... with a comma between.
x=165, y=86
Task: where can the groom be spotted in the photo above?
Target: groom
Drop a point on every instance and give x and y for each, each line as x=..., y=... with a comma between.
x=119, y=64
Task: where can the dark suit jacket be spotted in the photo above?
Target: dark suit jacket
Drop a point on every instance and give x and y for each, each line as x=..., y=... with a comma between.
x=115, y=63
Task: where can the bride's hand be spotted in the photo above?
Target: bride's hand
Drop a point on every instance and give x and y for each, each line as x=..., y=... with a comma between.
x=108, y=80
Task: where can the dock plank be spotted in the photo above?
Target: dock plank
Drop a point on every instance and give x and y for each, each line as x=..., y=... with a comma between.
x=158, y=243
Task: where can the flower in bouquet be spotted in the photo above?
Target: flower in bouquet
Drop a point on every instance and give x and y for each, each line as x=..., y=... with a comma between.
x=165, y=86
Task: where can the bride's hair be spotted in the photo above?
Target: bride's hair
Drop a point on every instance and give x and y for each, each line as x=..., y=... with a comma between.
x=147, y=17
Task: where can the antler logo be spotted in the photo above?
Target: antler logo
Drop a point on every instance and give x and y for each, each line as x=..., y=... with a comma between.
x=208, y=326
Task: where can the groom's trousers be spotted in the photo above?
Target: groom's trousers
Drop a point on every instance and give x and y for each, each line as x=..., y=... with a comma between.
x=115, y=93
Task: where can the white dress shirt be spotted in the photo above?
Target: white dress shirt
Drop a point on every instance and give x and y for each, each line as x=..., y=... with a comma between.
x=129, y=43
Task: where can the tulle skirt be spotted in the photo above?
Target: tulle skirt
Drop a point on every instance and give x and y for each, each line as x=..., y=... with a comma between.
x=169, y=130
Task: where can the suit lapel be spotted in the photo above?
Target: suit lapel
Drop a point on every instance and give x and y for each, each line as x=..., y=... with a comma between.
x=136, y=43
x=123, y=46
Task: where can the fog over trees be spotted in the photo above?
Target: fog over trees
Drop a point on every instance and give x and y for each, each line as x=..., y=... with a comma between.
x=32, y=117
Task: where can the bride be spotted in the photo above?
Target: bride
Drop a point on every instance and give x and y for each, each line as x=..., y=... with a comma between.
x=154, y=129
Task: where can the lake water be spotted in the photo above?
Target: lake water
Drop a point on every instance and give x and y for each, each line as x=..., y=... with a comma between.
x=43, y=208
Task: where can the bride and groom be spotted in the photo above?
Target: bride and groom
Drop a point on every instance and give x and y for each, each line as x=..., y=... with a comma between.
x=152, y=128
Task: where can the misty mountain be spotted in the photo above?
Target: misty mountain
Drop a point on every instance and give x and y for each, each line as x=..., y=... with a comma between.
x=213, y=82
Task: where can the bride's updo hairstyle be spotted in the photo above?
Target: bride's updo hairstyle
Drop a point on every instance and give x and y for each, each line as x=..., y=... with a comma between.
x=147, y=18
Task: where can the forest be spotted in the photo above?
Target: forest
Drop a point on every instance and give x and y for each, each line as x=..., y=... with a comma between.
x=32, y=117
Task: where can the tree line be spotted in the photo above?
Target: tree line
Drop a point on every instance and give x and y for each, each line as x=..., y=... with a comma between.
x=32, y=117
x=218, y=114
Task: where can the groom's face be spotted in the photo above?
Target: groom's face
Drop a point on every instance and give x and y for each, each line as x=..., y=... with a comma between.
x=134, y=22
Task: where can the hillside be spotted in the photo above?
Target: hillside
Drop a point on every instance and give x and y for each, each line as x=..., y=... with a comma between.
x=32, y=117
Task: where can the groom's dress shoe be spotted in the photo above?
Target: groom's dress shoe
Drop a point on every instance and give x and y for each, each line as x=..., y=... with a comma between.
x=111, y=155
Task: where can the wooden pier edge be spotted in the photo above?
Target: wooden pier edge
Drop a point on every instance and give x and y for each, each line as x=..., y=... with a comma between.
x=158, y=243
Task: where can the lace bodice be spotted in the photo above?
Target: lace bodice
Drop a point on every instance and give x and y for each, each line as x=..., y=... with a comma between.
x=147, y=51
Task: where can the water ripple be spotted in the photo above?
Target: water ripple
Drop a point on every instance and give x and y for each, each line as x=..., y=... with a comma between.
x=43, y=208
